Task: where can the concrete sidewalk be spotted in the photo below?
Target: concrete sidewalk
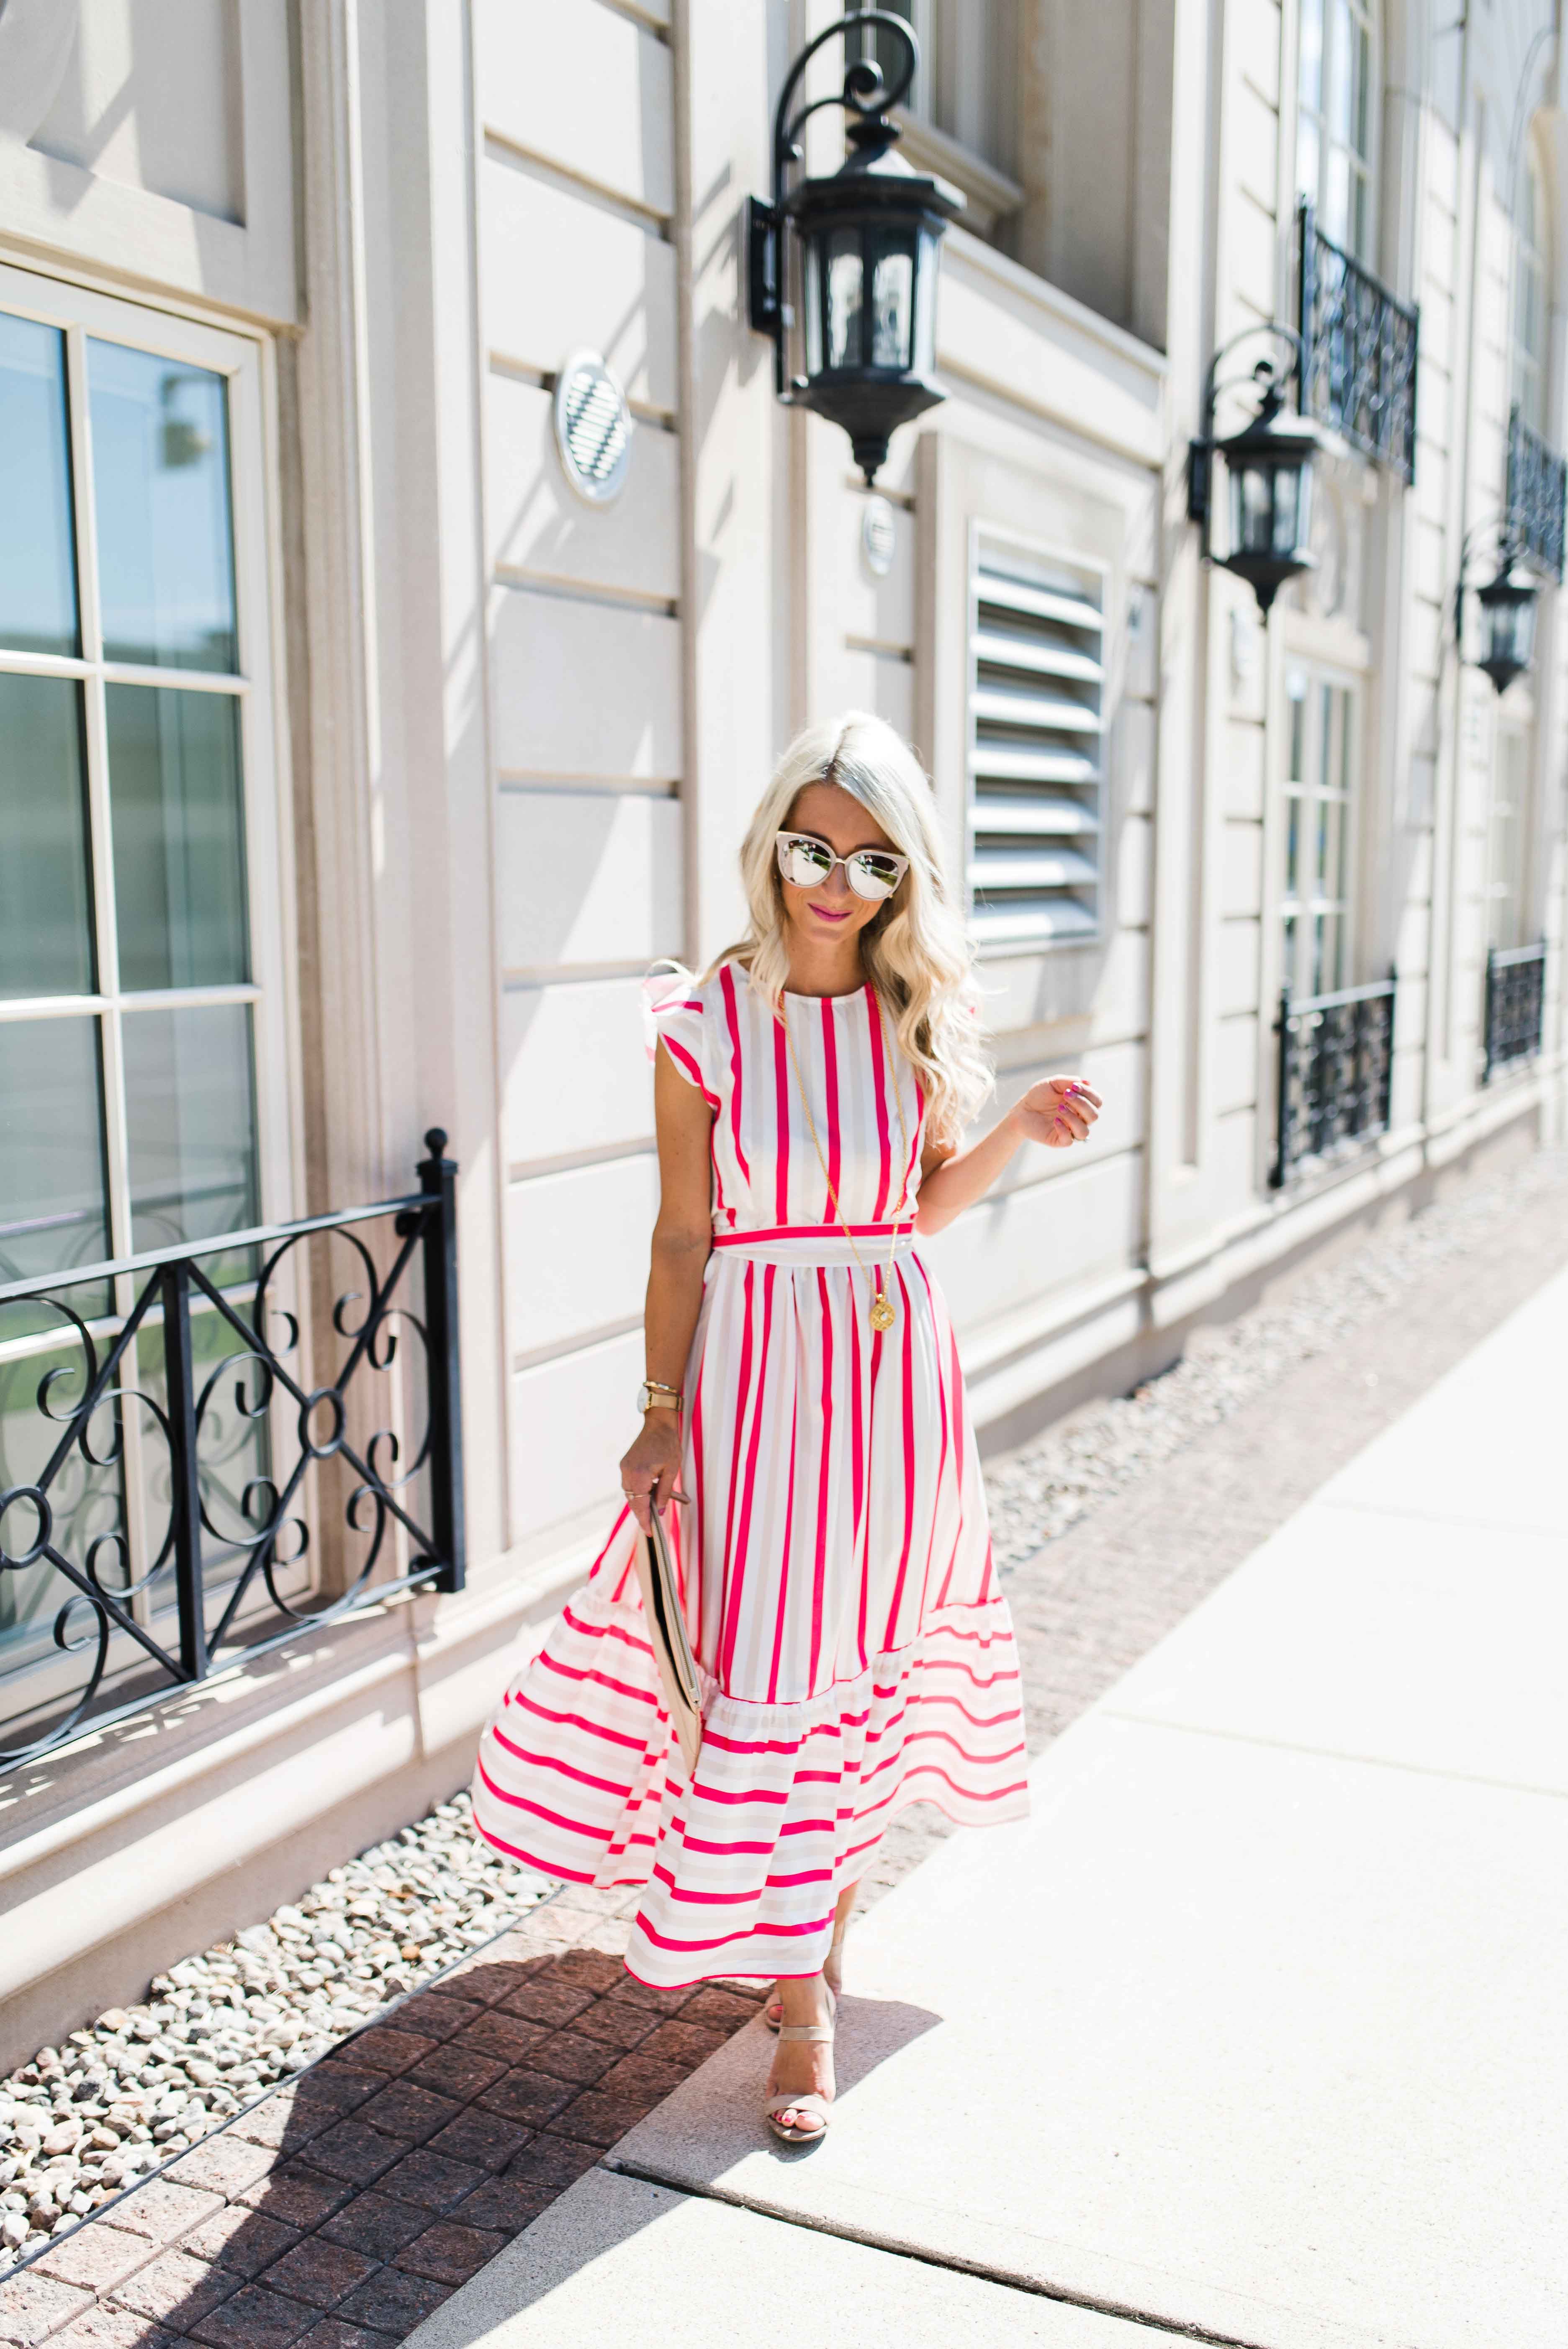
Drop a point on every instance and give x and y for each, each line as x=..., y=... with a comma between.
x=1255, y=2030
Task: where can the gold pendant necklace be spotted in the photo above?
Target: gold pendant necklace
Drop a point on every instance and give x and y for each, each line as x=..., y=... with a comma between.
x=884, y=1313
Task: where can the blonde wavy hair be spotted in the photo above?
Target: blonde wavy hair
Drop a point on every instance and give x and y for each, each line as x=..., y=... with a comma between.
x=914, y=950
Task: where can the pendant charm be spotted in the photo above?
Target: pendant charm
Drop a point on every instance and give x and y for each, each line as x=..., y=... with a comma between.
x=884, y=1313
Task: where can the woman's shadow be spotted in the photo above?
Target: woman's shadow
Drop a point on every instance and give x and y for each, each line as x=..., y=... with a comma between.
x=345, y=2210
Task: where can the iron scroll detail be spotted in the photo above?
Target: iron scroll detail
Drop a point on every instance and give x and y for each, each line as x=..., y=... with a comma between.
x=258, y=1440
x=1361, y=346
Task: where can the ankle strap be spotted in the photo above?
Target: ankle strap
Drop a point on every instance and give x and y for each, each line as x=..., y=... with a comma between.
x=815, y=2030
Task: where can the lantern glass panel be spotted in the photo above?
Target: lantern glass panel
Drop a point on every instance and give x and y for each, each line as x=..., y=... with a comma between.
x=892, y=301
x=833, y=276
x=846, y=279
x=811, y=302
x=1286, y=495
x=923, y=347
x=1510, y=626
x=1251, y=510
x=1298, y=480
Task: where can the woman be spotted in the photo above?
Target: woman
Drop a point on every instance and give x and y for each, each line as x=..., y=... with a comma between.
x=804, y=1408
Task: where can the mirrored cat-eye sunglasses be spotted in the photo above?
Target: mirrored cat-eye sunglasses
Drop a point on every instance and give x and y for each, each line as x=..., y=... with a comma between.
x=871, y=873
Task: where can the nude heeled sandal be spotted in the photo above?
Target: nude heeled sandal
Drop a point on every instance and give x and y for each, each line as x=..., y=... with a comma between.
x=832, y=1974
x=804, y=2100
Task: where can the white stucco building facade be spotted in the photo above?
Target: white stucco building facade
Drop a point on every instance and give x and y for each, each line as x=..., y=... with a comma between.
x=483, y=749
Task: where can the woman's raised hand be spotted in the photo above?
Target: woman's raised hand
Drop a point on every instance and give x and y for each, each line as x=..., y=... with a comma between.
x=653, y=1465
x=1058, y=1112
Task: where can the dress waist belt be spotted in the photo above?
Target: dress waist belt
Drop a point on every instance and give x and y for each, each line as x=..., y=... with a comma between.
x=816, y=1244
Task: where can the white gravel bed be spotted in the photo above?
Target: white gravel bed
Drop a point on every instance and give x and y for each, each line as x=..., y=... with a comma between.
x=135, y=2088
x=1039, y=1490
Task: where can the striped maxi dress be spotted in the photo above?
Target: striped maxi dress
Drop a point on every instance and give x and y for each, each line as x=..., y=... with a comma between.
x=855, y=1651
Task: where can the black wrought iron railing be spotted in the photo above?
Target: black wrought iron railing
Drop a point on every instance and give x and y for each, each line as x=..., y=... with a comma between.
x=1515, y=1005
x=1360, y=346
x=1336, y=1068
x=1537, y=495
x=208, y=1450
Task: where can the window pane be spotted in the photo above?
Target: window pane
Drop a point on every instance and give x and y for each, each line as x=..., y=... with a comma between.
x=191, y=1123
x=1306, y=159
x=45, y=894
x=37, y=563
x=53, y=1211
x=160, y=486
x=1337, y=198
x=1361, y=128
x=1311, y=87
x=1339, y=98
x=178, y=844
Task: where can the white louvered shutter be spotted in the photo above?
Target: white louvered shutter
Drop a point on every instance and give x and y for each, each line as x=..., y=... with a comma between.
x=1035, y=743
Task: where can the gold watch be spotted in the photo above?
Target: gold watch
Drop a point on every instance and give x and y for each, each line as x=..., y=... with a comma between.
x=653, y=1396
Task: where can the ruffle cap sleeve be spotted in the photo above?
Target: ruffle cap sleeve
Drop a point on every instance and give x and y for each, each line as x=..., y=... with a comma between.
x=673, y=1008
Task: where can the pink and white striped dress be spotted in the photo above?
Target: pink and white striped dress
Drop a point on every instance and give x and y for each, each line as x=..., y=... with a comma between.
x=856, y=1652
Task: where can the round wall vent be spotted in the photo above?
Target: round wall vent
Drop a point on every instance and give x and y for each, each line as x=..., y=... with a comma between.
x=593, y=428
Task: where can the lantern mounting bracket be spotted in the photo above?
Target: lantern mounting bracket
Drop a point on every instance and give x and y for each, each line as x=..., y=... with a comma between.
x=868, y=101
x=1266, y=374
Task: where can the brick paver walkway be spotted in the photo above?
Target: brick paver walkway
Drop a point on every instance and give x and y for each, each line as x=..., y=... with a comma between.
x=343, y=2210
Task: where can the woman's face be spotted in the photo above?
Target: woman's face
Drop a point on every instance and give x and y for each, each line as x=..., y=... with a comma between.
x=831, y=910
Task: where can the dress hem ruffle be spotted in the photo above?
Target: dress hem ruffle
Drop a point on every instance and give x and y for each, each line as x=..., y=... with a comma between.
x=579, y=1776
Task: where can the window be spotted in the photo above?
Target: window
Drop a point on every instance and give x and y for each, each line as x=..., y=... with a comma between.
x=140, y=1018
x=1035, y=684
x=1318, y=818
x=1507, y=828
x=1530, y=281
x=1336, y=116
x=966, y=84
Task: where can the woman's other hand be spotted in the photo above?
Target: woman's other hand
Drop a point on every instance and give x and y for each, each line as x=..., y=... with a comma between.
x=1058, y=1112
x=652, y=1467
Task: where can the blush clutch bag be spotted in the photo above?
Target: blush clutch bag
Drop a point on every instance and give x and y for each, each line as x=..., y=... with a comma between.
x=676, y=1665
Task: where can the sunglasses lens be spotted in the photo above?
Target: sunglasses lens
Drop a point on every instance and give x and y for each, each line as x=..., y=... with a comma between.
x=871, y=875
x=806, y=863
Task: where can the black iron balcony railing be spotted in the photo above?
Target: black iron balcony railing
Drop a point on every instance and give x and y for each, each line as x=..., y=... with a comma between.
x=202, y=1456
x=1537, y=495
x=1335, y=1066
x=1360, y=346
x=1515, y=1004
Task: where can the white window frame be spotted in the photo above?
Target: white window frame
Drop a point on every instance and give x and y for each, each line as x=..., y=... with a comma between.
x=1506, y=892
x=1361, y=164
x=961, y=81
x=1529, y=361
x=1346, y=795
x=256, y=686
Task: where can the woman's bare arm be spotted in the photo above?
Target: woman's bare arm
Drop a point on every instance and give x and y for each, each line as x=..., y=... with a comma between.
x=1057, y=1111
x=683, y=1236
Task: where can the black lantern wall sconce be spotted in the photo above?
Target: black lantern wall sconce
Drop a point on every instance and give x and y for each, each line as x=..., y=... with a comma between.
x=1269, y=466
x=867, y=242
x=1507, y=604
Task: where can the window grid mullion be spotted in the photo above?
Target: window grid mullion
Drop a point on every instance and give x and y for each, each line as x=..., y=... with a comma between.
x=111, y=1052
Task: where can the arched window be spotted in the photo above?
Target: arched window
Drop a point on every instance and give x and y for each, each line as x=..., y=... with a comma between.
x=1337, y=119
x=1531, y=235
